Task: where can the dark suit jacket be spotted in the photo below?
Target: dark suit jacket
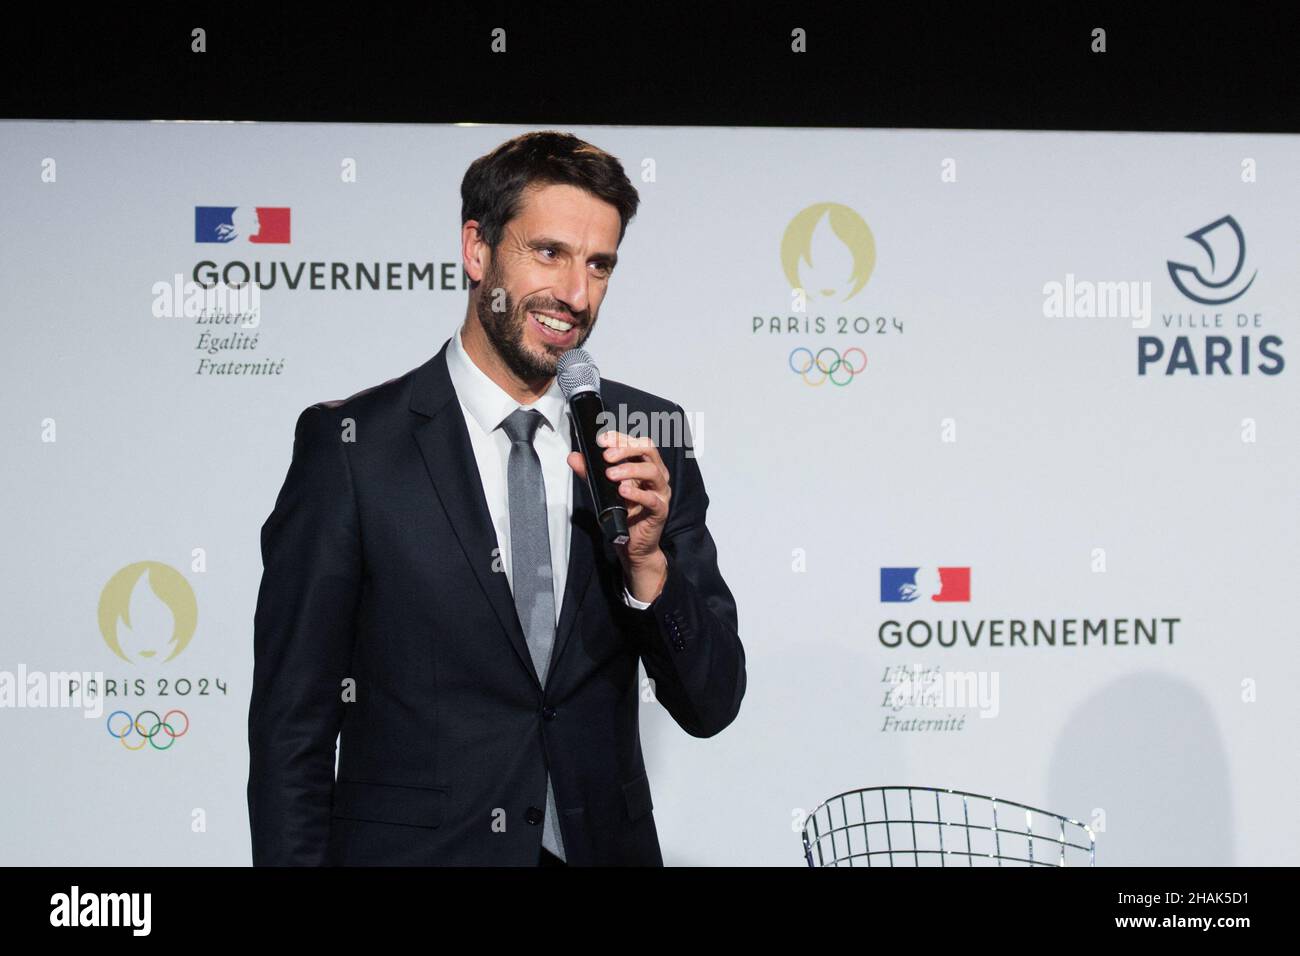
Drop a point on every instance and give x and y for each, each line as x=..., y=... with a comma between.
x=381, y=623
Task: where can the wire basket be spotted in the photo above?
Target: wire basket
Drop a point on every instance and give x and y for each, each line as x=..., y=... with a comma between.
x=933, y=826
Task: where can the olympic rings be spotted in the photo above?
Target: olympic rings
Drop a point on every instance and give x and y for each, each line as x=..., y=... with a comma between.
x=147, y=737
x=828, y=367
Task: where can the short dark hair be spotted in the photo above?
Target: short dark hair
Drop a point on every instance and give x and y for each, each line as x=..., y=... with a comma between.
x=493, y=187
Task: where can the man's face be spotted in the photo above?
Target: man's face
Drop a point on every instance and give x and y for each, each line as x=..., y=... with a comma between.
x=555, y=257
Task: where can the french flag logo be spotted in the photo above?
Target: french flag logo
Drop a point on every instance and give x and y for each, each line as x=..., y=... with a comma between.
x=261, y=224
x=903, y=585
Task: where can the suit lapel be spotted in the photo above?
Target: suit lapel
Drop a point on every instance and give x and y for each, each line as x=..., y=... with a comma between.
x=448, y=456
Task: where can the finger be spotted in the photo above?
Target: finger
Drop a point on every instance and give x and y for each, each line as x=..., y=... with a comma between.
x=648, y=471
x=616, y=439
x=633, y=447
x=612, y=442
x=634, y=507
x=648, y=499
x=578, y=464
x=648, y=474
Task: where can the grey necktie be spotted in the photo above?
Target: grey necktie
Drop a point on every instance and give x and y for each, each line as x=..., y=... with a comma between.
x=530, y=568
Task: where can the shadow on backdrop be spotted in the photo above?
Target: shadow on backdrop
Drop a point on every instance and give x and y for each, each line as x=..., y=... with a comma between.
x=1147, y=752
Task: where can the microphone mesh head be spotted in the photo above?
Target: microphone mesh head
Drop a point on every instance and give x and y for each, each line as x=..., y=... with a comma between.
x=577, y=373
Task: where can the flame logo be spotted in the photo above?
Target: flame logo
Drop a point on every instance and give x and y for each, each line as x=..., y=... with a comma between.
x=173, y=594
x=826, y=248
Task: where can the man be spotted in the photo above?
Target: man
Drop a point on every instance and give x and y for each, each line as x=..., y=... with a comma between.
x=437, y=594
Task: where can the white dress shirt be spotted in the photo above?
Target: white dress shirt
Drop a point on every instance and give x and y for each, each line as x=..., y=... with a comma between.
x=485, y=405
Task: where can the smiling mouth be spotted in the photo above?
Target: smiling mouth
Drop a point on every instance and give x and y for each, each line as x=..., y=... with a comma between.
x=553, y=327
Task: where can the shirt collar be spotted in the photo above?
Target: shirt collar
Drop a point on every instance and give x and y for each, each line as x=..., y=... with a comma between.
x=488, y=402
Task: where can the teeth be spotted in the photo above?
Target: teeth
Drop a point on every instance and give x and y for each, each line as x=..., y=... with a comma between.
x=551, y=323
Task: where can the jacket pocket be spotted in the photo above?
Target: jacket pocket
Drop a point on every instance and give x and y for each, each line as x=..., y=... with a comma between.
x=389, y=803
x=637, y=795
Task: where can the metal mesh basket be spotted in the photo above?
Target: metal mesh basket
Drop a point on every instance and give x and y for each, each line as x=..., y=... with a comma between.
x=932, y=826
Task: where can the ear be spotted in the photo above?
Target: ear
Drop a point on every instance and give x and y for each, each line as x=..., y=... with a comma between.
x=474, y=251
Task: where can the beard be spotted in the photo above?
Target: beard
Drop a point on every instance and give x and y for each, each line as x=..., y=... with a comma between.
x=505, y=330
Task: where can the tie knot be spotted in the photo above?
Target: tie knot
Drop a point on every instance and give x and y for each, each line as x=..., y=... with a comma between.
x=521, y=424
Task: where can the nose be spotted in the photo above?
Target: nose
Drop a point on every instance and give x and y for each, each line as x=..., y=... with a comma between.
x=571, y=290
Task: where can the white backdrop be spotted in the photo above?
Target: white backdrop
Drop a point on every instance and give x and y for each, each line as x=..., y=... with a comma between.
x=986, y=433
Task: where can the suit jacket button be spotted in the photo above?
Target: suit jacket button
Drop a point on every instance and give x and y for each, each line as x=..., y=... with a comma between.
x=534, y=816
x=548, y=713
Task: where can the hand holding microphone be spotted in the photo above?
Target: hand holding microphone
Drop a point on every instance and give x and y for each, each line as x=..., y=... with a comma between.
x=625, y=476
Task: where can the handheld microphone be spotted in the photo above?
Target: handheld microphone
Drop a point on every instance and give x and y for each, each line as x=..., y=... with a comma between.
x=580, y=382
